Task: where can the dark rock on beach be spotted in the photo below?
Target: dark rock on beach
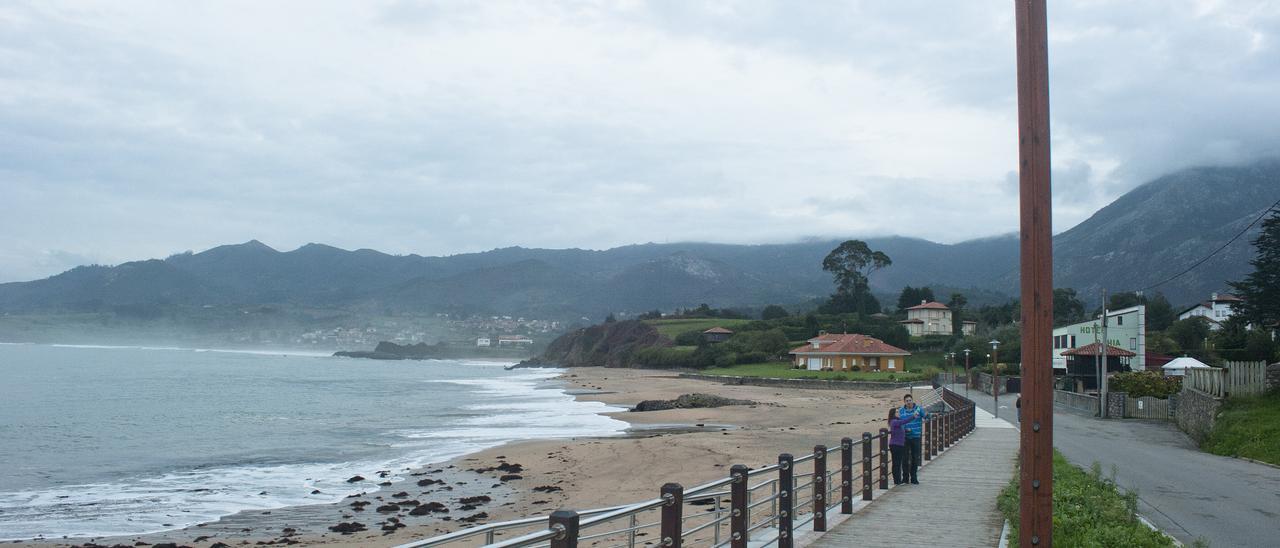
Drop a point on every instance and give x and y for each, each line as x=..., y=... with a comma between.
x=347, y=528
x=354, y=479
x=689, y=401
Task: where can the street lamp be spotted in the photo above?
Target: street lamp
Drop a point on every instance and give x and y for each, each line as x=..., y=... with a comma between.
x=966, y=373
x=995, y=374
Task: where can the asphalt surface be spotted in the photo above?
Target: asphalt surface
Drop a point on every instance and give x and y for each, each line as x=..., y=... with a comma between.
x=1187, y=493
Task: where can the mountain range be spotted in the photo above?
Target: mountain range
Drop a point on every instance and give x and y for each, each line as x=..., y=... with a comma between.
x=1148, y=235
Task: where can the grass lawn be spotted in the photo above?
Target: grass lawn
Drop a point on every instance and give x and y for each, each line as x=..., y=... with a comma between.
x=1088, y=510
x=1248, y=428
x=671, y=328
x=783, y=370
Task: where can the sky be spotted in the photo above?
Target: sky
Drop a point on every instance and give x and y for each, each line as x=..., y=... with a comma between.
x=133, y=130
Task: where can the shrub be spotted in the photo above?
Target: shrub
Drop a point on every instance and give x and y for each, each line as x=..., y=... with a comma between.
x=689, y=338
x=664, y=357
x=752, y=357
x=1145, y=383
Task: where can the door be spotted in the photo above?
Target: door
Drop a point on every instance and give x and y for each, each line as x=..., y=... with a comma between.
x=815, y=364
x=875, y=364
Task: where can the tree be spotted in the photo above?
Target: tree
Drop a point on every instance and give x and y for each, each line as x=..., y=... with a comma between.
x=1261, y=288
x=1067, y=307
x=911, y=296
x=773, y=312
x=1189, y=333
x=1160, y=314
x=852, y=263
x=957, y=304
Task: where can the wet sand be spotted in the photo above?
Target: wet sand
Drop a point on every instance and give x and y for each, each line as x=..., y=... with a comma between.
x=524, y=479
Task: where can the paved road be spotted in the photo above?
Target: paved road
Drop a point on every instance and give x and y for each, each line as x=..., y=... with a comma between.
x=1183, y=491
x=956, y=498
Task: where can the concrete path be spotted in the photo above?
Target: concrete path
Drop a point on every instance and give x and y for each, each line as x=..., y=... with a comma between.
x=954, y=505
x=1183, y=491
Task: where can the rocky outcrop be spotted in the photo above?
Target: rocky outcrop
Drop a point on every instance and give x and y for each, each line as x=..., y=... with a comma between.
x=610, y=344
x=689, y=401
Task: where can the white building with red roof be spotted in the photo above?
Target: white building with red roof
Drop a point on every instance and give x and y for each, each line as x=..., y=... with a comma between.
x=928, y=318
x=1217, y=309
x=849, y=352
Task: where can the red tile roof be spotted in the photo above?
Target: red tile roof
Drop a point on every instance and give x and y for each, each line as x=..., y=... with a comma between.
x=1091, y=349
x=850, y=344
x=719, y=330
x=935, y=305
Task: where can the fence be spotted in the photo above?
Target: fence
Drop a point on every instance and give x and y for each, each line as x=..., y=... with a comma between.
x=764, y=512
x=1148, y=407
x=1236, y=379
x=1077, y=402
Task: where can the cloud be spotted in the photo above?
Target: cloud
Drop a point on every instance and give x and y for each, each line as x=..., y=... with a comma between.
x=136, y=129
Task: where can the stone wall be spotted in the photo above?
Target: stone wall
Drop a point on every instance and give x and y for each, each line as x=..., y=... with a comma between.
x=800, y=383
x=1115, y=404
x=1196, y=412
x=984, y=382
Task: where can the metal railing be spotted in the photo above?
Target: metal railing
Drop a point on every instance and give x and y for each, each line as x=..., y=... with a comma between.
x=763, y=504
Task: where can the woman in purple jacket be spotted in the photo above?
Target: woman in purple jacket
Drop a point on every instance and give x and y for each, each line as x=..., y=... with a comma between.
x=897, y=444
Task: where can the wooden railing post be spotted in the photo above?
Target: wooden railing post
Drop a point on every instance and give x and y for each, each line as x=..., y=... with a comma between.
x=565, y=522
x=937, y=434
x=786, y=496
x=819, y=488
x=924, y=441
x=846, y=476
x=884, y=458
x=738, y=506
x=866, y=467
x=672, y=518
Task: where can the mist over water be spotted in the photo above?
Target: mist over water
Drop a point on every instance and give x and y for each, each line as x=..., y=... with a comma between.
x=126, y=440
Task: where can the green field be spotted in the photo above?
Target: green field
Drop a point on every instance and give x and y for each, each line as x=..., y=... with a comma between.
x=671, y=328
x=783, y=370
x=1088, y=510
x=1248, y=428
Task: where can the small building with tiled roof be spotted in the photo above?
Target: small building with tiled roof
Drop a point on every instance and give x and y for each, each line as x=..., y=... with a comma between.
x=849, y=352
x=1082, y=363
x=928, y=318
x=717, y=334
x=1217, y=309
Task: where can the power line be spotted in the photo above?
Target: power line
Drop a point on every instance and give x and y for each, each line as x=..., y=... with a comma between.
x=1216, y=251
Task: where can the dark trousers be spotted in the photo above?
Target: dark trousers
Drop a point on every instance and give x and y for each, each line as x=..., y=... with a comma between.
x=899, y=452
x=912, y=459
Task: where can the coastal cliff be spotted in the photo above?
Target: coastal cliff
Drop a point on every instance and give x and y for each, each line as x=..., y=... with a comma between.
x=610, y=344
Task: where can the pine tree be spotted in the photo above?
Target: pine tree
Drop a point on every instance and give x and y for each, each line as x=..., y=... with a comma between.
x=1261, y=289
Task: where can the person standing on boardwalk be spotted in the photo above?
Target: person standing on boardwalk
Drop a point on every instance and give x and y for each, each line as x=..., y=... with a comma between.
x=913, y=416
x=897, y=441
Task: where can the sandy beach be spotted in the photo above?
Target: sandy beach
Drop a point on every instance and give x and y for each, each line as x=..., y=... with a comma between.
x=688, y=446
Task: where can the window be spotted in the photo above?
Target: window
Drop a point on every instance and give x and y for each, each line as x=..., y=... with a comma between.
x=1119, y=320
x=891, y=362
x=1073, y=341
x=1133, y=343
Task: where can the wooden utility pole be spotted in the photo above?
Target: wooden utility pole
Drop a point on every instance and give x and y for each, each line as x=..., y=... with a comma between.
x=1036, y=233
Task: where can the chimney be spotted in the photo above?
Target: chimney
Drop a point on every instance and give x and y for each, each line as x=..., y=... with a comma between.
x=1213, y=297
x=922, y=301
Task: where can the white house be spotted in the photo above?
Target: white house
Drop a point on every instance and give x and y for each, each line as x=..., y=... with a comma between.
x=483, y=341
x=1217, y=309
x=514, y=340
x=928, y=318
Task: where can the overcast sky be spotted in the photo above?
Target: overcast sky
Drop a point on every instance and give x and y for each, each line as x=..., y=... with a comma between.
x=132, y=130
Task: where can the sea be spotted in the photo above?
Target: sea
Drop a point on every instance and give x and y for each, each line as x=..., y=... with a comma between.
x=105, y=441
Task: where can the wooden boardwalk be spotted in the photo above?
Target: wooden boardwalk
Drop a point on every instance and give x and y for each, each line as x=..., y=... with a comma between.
x=954, y=505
